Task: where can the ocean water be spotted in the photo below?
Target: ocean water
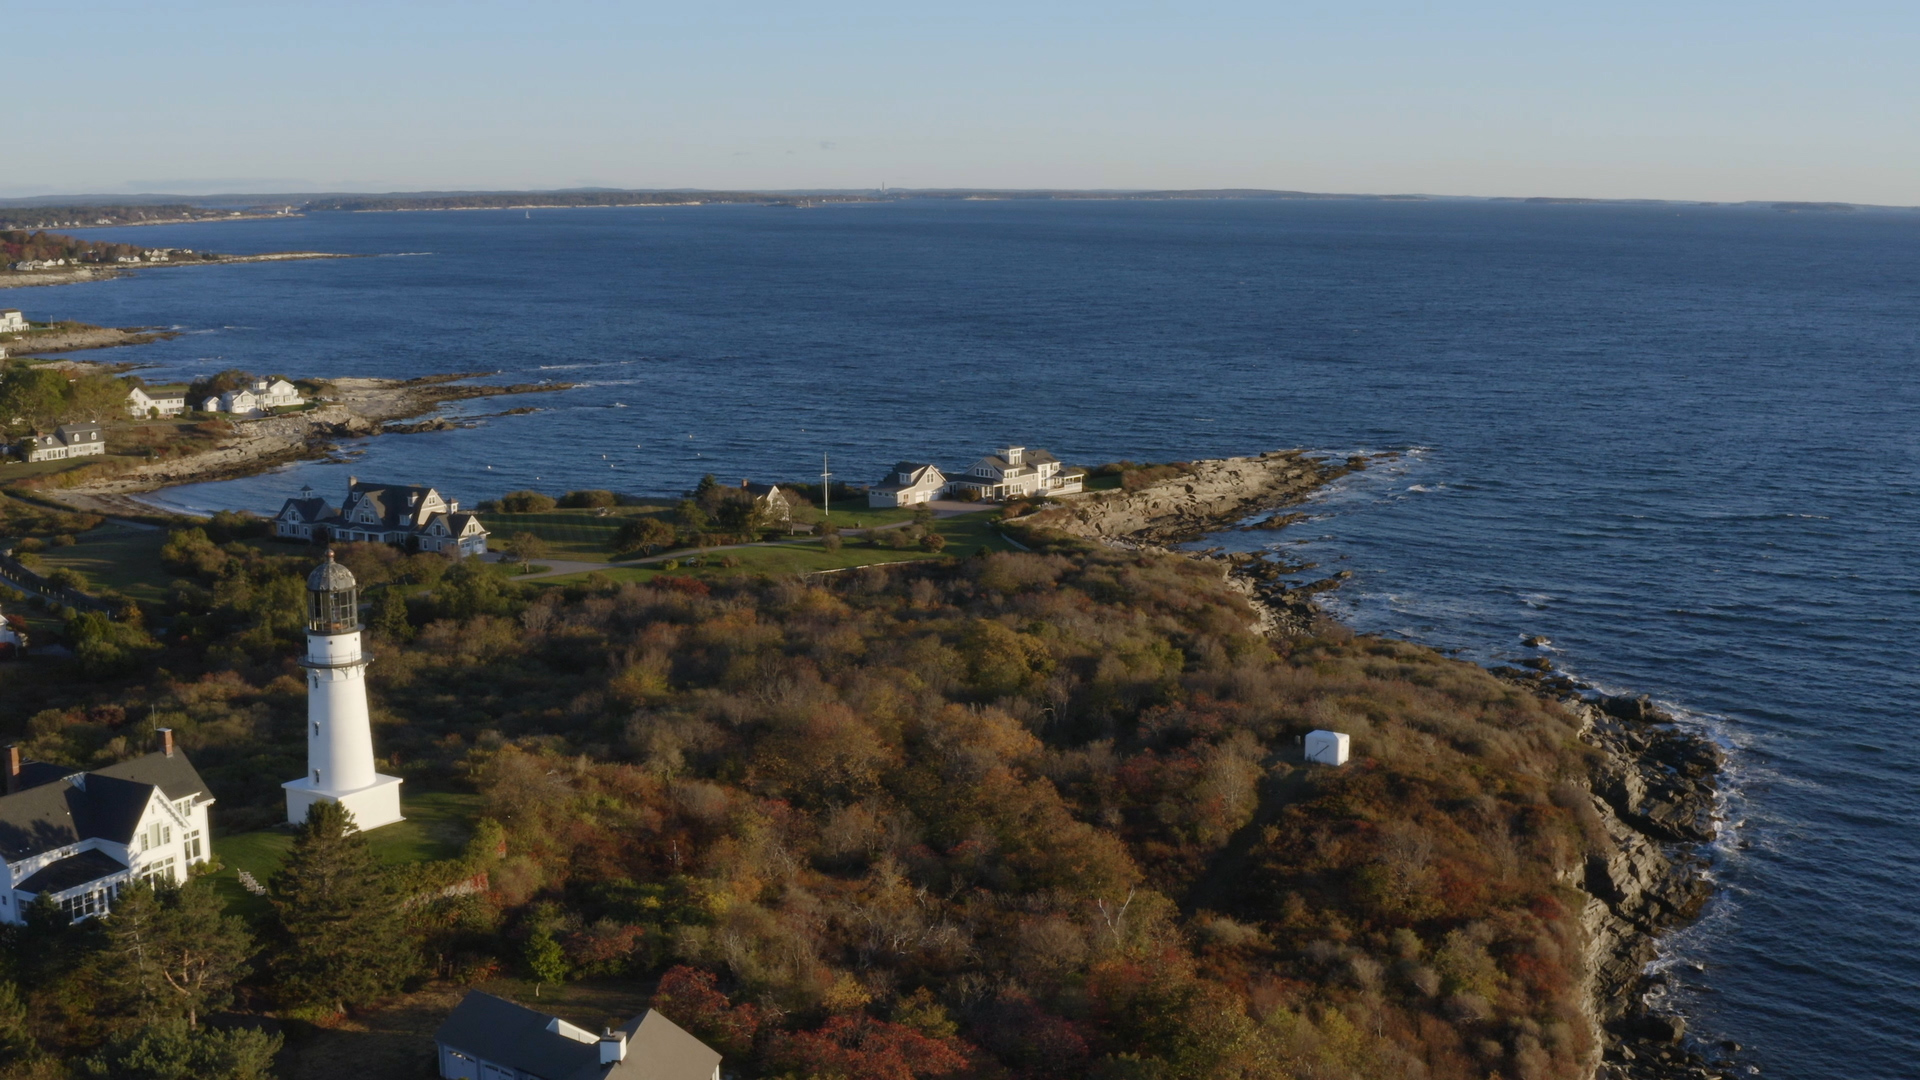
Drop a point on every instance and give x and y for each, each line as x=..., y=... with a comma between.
x=1678, y=441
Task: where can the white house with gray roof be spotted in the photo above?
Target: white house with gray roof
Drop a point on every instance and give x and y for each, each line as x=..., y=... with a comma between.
x=145, y=401
x=67, y=441
x=909, y=484
x=1015, y=472
x=77, y=837
x=257, y=397
x=491, y=1038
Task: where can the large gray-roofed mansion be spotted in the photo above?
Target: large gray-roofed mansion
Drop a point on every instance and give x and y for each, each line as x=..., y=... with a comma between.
x=1009, y=473
x=412, y=516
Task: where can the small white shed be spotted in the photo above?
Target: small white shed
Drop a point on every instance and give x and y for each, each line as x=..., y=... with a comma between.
x=1327, y=747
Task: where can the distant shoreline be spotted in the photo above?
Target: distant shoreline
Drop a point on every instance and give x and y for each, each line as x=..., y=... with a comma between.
x=358, y=408
x=24, y=279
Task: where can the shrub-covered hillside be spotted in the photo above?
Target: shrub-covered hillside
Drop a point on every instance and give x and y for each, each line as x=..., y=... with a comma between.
x=1027, y=815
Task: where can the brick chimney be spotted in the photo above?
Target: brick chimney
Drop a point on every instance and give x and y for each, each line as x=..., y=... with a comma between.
x=166, y=741
x=13, y=767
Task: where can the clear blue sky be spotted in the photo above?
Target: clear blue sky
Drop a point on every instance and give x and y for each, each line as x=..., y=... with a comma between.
x=1706, y=100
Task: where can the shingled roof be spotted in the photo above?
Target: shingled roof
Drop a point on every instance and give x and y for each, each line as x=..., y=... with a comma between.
x=499, y=1031
x=105, y=804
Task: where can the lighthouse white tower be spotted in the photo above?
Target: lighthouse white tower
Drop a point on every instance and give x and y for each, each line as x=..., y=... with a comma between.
x=339, y=730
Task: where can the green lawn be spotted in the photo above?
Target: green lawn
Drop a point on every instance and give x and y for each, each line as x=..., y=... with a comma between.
x=852, y=515
x=579, y=535
x=14, y=471
x=437, y=826
x=115, y=557
x=965, y=534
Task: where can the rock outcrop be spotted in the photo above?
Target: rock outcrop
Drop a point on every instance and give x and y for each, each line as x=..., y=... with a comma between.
x=1208, y=495
x=1654, y=792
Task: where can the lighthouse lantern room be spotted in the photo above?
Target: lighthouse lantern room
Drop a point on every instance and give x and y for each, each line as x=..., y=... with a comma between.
x=339, y=729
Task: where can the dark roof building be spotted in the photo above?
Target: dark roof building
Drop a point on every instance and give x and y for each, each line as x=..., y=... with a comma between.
x=77, y=836
x=410, y=515
x=491, y=1038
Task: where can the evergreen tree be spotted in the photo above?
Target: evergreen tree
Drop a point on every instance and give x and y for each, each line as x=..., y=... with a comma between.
x=390, y=615
x=177, y=949
x=16, y=1039
x=131, y=961
x=173, y=1050
x=342, y=937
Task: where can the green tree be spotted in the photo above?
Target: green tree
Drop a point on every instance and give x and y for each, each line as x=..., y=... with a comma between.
x=37, y=395
x=525, y=502
x=545, y=958
x=108, y=649
x=176, y=949
x=96, y=397
x=341, y=935
x=472, y=588
x=525, y=547
x=690, y=515
x=174, y=1050
x=16, y=1039
x=390, y=615
x=590, y=499
x=647, y=534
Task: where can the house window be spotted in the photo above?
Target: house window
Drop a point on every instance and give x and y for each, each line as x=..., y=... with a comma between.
x=194, y=853
x=160, y=873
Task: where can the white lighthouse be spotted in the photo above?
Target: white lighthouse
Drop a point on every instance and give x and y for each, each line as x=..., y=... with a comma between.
x=339, y=730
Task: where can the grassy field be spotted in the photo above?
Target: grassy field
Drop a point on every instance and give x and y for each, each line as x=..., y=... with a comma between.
x=965, y=534
x=853, y=515
x=579, y=535
x=115, y=557
x=436, y=827
x=15, y=471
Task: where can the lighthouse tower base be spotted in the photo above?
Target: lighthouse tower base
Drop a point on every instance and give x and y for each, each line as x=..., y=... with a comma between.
x=372, y=806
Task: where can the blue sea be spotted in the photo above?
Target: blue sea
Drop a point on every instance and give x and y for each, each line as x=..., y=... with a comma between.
x=1678, y=441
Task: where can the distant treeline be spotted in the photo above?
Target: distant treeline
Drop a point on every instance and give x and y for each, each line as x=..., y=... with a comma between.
x=23, y=246
x=536, y=200
x=72, y=217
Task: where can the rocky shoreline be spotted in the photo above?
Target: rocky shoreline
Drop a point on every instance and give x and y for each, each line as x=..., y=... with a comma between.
x=1654, y=788
x=356, y=408
x=77, y=338
x=1652, y=783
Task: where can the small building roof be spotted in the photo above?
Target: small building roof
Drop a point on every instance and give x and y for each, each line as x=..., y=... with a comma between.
x=310, y=509
x=532, y=1042
x=63, y=874
x=659, y=1049
x=504, y=1033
